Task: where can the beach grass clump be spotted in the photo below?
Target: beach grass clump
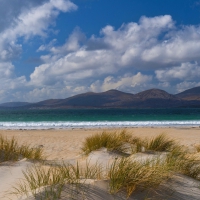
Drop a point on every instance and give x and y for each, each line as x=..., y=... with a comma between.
x=117, y=141
x=138, y=144
x=10, y=150
x=113, y=141
x=48, y=182
x=197, y=147
x=180, y=161
x=160, y=143
x=124, y=174
x=36, y=179
x=191, y=168
x=130, y=175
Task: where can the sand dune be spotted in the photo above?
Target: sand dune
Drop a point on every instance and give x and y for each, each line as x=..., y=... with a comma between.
x=10, y=174
x=65, y=146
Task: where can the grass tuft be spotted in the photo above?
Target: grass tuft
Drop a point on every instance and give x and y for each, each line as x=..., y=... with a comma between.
x=49, y=181
x=123, y=174
x=160, y=143
x=113, y=141
x=138, y=143
x=10, y=150
x=129, y=175
x=180, y=161
x=197, y=147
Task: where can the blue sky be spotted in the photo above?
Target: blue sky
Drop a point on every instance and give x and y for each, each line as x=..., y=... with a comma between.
x=59, y=48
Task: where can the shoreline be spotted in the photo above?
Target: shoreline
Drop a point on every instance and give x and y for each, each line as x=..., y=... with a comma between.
x=97, y=128
x=96, y=125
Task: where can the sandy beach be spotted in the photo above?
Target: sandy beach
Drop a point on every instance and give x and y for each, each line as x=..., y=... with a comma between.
x=63, y=145
x=66, y=144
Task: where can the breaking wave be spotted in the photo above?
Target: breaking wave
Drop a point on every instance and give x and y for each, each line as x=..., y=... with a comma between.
x=96, y=124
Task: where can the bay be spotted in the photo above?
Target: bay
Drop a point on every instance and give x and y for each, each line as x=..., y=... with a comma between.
x=72, y=118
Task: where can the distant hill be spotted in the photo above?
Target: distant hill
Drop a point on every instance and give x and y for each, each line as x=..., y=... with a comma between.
x=156, y=98
x=104, y=99
x=14, y=104
x=153, y=98
x=155, y=94
x=191, y=94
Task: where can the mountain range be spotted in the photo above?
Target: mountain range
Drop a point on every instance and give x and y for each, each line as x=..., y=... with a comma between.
x=153, y=98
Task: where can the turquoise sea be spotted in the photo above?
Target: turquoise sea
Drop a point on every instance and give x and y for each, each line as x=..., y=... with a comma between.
x=89, y=118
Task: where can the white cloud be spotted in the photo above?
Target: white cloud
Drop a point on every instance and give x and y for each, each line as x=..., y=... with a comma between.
x=153, y=43
x=74, y=66
x=11, y=9
x=29, y=23
x=72, y=44
x=182, y=77
x=151, y=53
x=26, y=20
x=186, y=85
x=125, y=82
x=84, y=63
x=8, y=80
x=180, y=46
x=9, y=83
x=187, y=71
x=6, y=70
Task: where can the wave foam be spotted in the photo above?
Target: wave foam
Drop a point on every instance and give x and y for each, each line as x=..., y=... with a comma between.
x=99, y=124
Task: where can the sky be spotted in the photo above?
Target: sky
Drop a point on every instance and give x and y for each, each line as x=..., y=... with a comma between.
x=52, y=49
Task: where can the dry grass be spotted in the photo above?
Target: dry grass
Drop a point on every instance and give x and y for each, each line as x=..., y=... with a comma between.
x=129, y=175
x=123, y=174
x=197, y=147
x=160, y=143
x=36, y=180
x=113, y=141
x=47, y=182
x=10, y=150
x=180, y=161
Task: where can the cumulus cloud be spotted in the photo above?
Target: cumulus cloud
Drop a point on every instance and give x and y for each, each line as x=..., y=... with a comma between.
x=6, y=70
x=180, y=46
x=186, y=85
x=23, y=20
x=72, y=44
x=86, y=62
x=182, y=77
x=187, y=71
x=153, y=44
x=29, y=23
x=151, y=53
x=9, y=83
x=11, y=9
x=122, y=83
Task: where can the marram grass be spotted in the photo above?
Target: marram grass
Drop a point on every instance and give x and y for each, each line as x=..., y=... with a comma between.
x=160, y=143
x=197, y=147
x=124, y=174
x=10, y=150
x=129, y=175
x=47, y=182
x=180, y=161
x=113, y=141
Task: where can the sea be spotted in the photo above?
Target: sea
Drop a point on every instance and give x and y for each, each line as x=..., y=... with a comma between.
x=98, y=118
